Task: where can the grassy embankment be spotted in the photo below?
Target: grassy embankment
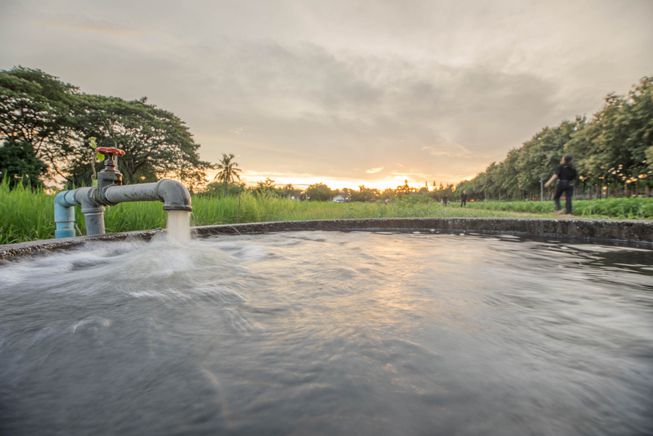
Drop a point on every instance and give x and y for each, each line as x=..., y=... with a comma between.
x=27, y=215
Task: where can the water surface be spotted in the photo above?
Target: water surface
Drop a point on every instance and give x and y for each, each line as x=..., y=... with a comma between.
x=329, y=333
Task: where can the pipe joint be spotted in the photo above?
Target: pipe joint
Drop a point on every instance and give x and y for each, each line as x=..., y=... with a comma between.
x=174, y=195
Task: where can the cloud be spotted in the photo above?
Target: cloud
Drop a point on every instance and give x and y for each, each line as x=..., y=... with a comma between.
x=374, y=170
x=91, y=25
x=442, y=88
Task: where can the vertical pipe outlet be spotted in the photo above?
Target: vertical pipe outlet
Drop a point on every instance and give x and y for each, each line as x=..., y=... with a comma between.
x=64, y=214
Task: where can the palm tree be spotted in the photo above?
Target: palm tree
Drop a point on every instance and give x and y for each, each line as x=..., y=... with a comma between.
x=228, y=171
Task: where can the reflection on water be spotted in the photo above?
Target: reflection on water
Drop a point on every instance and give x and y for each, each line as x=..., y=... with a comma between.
x=329, y=333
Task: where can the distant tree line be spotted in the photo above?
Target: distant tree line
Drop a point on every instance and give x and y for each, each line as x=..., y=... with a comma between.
x=613, y=153
x=48, y=129
x=227, y=182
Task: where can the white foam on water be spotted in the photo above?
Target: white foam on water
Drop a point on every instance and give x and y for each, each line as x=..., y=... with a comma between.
x=92, y=322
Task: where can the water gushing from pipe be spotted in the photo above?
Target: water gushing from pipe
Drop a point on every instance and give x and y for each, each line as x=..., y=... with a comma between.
x=110, y=191
x=178, y=228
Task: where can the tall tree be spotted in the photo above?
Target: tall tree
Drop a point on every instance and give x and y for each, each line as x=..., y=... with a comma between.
x=228, y=171
x=540, y=155
x=57, y=120
x=36, y=112
x=156, y=142
x=318, y=192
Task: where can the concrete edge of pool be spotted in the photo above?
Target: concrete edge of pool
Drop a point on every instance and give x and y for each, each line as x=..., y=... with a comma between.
x=629, y=233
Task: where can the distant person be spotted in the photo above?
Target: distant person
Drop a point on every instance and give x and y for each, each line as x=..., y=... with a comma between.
x=445, y=200
x=565, y=174
x=463, y=199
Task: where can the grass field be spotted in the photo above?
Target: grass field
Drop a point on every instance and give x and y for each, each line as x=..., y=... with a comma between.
x=27, y=215
x=629, y=208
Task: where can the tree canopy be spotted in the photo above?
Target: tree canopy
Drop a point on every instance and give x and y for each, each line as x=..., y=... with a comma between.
x=19, y=165
x=319, y=192
x=612, y=150
x=54, y=123
x=228, y=171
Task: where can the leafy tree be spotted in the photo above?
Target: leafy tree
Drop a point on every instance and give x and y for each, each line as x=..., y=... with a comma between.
x=36, y=109
x=609, y=150
x=540, y=155
x=19, y=164
x=228, y=171
x=57, y=120
x=637, y=127
x=156, y=142
x=364, y=194
x=612, y=147
x=319, y=192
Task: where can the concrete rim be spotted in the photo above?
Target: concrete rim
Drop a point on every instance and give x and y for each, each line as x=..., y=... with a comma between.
x=628, y=233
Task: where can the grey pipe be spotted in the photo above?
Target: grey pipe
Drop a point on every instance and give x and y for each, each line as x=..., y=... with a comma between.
x=92, y=210
x=172, y=193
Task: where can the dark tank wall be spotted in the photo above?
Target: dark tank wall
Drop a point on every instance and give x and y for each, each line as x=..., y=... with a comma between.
x=629, y=233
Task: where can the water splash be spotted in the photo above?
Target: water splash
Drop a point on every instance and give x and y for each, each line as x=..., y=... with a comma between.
x=179, y=225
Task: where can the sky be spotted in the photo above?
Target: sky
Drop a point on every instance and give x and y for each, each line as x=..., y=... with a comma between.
x=345, y=92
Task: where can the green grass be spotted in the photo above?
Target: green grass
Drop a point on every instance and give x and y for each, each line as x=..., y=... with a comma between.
x=27, y=215
x=630, y=208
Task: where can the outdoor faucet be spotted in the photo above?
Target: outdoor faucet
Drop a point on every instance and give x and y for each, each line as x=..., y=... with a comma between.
x=110, y=174
x=109, y=192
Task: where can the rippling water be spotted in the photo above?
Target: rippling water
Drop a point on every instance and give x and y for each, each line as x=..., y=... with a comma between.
x=329, y=333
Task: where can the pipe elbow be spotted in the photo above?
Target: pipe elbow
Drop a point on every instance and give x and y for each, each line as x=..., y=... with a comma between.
x=174, y=195
x=64, y=214
x=66, y=198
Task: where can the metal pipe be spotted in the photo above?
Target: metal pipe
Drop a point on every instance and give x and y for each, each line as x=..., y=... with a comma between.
x=172, y=193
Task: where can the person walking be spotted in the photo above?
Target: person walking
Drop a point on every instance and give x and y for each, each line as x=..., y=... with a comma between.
x=463, y=199
x=565, y=174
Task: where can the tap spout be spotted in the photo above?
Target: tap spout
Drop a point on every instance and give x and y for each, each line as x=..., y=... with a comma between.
x=172, y=193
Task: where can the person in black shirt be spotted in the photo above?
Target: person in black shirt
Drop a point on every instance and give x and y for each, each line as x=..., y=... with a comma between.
x=463, y=199
x=565, y=174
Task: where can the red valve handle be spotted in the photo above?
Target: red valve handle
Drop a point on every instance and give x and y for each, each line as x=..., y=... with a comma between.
x=110, y=150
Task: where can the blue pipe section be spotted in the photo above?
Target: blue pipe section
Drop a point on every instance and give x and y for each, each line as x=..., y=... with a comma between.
x=64, y=214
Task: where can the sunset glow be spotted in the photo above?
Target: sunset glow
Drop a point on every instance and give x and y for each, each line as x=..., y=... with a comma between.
x=250, y=178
